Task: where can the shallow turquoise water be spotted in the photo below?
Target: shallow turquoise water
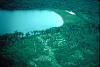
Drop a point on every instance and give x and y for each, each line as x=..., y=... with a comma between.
x=28, y=20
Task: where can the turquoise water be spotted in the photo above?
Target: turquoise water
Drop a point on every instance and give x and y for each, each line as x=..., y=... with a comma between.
x=28, y=20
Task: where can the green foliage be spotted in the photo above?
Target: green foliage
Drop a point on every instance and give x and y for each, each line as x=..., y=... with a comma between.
x=75, y=44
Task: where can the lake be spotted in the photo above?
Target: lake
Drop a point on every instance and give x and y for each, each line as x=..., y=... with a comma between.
x=28, y=20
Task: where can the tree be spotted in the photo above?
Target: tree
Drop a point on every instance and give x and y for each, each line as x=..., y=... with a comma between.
x=27, y=34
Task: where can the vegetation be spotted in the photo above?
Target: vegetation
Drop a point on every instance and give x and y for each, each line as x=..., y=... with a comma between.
x=75, y=44
x=72, y=45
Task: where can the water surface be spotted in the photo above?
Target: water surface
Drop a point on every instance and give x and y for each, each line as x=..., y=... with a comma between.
x=28, y=20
